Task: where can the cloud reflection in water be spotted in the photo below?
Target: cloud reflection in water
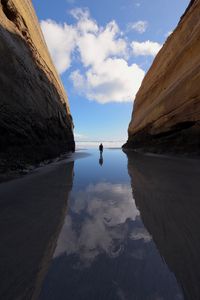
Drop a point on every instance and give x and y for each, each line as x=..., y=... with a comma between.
x=103, y=211
x=104, y=250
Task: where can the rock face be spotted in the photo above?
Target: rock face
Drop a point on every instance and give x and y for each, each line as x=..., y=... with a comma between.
x=166, y=114
x=35, y=120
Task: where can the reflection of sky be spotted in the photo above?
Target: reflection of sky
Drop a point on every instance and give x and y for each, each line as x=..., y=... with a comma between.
x=102, y=210
x=104, y=250
x=113, y=170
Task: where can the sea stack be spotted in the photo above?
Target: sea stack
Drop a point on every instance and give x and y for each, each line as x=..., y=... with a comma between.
x=35, y=119
x=166, y=112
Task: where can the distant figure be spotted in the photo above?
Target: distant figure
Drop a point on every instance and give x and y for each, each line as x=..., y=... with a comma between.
x=101, y=148
x=101, y=154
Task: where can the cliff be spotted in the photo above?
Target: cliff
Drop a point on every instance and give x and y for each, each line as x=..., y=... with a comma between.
x=166, y=113
x=166, y=192
x=35, y=120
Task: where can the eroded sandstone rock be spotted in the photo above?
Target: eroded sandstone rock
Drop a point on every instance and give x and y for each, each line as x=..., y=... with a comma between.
x=166, y=114
x=35, y=120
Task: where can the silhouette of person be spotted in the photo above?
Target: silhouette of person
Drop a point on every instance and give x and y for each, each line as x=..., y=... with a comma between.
x=101, y=148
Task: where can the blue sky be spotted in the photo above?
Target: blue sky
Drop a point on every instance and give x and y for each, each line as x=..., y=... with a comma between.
x=102, y=52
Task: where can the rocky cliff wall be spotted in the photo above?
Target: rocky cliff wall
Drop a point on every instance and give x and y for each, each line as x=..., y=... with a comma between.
x=166, y=113
x=35, y=120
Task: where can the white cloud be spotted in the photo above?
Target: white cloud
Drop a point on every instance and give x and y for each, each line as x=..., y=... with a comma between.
x=139, y=26
x=103, y=51
x=97, y=46
x=147, y=48
x=114, y=80
x=78, y=79
x=80, y=13
x=60, y=40
x=109, y=77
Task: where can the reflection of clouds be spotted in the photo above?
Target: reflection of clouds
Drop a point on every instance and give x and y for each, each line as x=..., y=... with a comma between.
x=98, y=222
x=140, y=233
x=112, y=203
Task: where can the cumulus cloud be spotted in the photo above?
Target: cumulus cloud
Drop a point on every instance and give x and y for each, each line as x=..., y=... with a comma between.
x=147, y=48
x=114, y=80
x=96, y=47
x=139, y=26
x=106, y=75
x=61, y=41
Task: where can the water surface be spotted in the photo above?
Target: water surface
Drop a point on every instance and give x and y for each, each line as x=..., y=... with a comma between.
x=104, y=250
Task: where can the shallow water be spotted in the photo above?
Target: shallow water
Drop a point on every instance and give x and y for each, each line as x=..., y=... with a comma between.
x=120, y=226
x=104, y=250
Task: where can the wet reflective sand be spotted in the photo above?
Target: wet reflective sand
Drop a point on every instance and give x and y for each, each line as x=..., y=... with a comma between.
x=129, y=229
x=104, y=250
x=167, y=193
x=32, y=212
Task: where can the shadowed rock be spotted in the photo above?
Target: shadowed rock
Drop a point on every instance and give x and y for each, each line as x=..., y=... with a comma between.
x=167, y=193
x=35, y=120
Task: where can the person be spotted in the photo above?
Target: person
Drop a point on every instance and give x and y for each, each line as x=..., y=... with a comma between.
x=101, y=148
x=101, y=154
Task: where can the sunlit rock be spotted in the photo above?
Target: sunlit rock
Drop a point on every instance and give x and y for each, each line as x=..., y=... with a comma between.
x=166, y=114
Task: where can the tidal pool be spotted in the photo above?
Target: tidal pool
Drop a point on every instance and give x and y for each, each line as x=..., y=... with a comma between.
x=130, y=230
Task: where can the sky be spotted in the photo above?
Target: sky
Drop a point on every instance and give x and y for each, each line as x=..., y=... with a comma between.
x=102, y=51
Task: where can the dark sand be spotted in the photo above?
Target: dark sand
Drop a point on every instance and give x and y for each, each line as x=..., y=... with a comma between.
x=32, y=210
x=167, y=193
x=109, y=250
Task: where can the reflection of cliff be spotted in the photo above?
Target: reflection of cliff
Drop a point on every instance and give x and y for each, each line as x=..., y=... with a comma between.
x=35, y=120
x=166, y=114
x=167, y=193
x=32, y=211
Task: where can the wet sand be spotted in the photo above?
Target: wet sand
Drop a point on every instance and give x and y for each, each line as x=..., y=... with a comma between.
x=32, y=211
x=167, y=193
x=120, y=226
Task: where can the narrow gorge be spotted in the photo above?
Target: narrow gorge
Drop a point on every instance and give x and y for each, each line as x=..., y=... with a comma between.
x=99, y=222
